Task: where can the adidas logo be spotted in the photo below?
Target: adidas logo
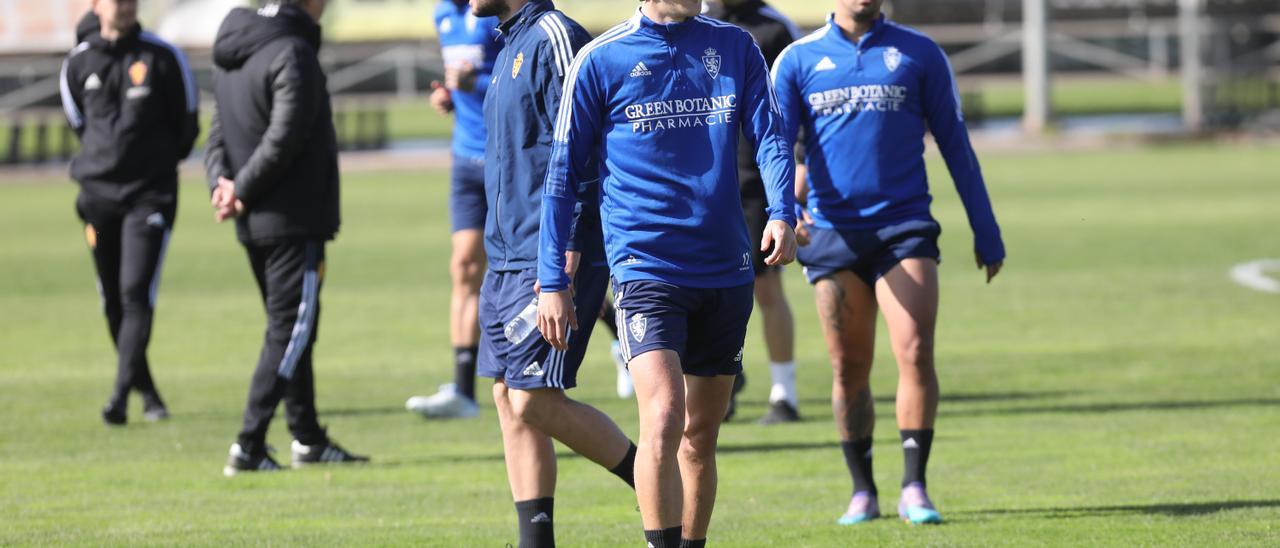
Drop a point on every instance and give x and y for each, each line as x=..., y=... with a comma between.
x=542, y=517
x=534, y=370
x=640, y=70
x=910, y=444
x=824, y=64
x=93, y=82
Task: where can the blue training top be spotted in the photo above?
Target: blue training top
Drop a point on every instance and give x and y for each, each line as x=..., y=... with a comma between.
x=465, y=38
x=661, y=107
x=864, y=108
x=524, y=96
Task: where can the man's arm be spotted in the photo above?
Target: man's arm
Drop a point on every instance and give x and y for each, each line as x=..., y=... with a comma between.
x=555, y=63
x=763, y=127
x=570, y=169
x=296, y=94
x=72, y=93
x=184, y=99
x=946, y=122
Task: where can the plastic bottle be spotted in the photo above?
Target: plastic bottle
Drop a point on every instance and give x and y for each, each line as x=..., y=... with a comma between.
x=519, y=328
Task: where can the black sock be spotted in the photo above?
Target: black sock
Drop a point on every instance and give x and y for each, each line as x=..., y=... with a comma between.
x=464, y=370
x=626, y=469
x=663, y=538
x=609, y=317
x=536, y=529
x=692, y=543
x=857, y=456
x=915, y=454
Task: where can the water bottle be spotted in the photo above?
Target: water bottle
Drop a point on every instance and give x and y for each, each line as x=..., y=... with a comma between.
x=519, y=328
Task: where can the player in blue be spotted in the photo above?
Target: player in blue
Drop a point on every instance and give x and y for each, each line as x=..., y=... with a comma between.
x=658, y=104
x=470, y=45
x=864, y=89
x=530, y=376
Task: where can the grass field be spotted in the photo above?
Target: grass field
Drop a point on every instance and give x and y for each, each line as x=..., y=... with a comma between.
x=1112, y=387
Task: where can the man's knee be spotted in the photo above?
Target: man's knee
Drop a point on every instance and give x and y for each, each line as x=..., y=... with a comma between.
x=851, y=371
x=536, y=407
x=466, y=267
x=916, y=353
x=699, y=440
x=768, y=291
x=668, y=428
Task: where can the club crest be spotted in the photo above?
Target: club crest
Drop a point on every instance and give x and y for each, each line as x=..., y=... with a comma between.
x=637, y=326
x=138, y=73
x=515, y=65
x=711, y=61
x=892, y=58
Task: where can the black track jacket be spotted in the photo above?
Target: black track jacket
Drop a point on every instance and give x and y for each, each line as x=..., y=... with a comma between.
x=272, y=131
x=133, y=103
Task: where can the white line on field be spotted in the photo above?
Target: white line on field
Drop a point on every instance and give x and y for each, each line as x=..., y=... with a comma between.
x=1253, y=275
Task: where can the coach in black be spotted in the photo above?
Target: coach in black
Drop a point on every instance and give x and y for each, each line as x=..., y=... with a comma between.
x=272, y=163
x=131, y=99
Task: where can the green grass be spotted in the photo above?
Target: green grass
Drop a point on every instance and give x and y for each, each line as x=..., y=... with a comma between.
x=1112, y=387
x=1084, y=96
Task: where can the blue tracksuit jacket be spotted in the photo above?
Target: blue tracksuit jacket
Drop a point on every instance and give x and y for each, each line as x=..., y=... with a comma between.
x=465, y=38
x=661, y=107
x=864, y=108
x=523, y=98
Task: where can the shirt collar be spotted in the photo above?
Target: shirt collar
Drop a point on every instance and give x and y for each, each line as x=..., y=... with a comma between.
x=876, y=29
x=525, y=16
x=663, y=29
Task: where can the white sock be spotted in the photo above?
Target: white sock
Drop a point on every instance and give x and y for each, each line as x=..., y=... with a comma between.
x=784, y=383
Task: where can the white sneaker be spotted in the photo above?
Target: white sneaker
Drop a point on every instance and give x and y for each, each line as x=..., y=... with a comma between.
x=445, y=404
x=625, y=388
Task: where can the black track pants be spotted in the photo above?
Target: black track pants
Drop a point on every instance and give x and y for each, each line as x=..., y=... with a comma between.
x=128, y=244
x=289, y=277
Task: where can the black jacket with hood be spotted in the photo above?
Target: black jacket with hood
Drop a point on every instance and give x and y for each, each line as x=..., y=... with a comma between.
x=134, y=104
x=272, y=132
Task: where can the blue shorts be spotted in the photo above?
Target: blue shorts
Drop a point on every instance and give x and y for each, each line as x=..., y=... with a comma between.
x=533, y=363
x=467, y=206
x=868, y=253
x=705, y=327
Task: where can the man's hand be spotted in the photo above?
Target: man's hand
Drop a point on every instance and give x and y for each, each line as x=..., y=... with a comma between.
x=802, y=227
x=782, y=238
x=556, y=318
x=992, y=269
x=224, y=201
x=441, y=99
x=462, y=77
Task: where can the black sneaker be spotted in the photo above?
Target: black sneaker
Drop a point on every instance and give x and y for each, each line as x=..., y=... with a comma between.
x=324, y=453
x=739, y=383
x=113, y=414
x=239, y=461
x=779, y=412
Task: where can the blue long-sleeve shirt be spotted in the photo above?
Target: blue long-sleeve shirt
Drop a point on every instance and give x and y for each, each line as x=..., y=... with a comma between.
x=465, y=38
x=864, y=108
x=519, y=110
x=661, y=106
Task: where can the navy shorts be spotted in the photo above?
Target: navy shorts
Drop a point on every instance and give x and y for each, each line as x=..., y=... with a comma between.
x=533, y=363
x=467, y=206
x=868, y=253
x=705, y=327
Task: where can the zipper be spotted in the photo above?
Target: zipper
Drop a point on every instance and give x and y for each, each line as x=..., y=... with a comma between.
x=497, y=199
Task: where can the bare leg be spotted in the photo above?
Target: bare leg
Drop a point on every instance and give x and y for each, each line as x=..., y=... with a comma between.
x=530, y=455
x=908, y=295
x=583, y=428
x=847, y=311
x=779, y=327
x=706, y=400
x=466, y=268
x=660, y=394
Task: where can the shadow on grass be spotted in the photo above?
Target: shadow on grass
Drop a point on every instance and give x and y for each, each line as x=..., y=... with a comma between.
x=1186, y=509
x=357, y=411
x=1116, y=407
x=560, y=455
x=959, y=397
